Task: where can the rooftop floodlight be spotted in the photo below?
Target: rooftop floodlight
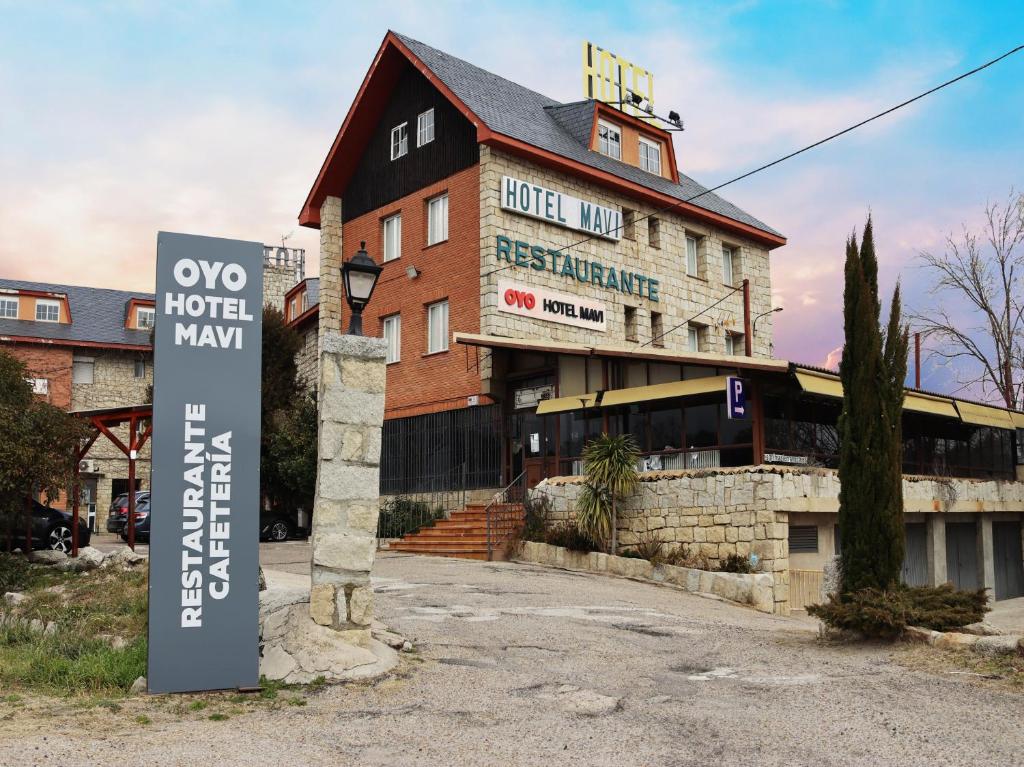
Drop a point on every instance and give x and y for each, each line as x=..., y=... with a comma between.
x=359, y=275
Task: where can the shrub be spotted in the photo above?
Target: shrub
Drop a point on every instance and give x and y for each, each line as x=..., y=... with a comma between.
x=736, y=563
x=569, y=536
x=648, y=546
x=884, y=614
x=683, y=557
x=537, y=518
x=402, y=516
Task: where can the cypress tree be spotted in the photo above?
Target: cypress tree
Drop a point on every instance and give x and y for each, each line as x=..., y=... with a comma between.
x=871, y=448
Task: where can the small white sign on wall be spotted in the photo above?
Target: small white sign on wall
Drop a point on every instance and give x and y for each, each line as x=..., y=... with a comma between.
x=542, y=304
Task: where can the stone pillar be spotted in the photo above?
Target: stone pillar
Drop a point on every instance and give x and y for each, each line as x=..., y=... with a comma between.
x=330, y=268
x=986, y=556
x=936, y=550
x=348, y=480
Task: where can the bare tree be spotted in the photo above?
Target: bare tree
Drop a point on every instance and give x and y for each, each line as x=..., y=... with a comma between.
x=984, y=273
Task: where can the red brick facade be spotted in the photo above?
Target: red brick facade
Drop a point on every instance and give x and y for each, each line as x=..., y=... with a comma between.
x=421, y=383
x=50, y=362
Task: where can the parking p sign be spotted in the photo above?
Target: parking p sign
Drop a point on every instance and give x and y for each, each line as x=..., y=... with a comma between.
x=736, y=392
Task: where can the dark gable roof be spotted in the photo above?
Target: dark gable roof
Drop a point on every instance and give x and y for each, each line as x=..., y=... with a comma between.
x=312, y=291
x=522, y=114
x=97, y=316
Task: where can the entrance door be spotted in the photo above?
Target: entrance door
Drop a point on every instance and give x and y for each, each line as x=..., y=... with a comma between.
x=538, y=435
x=915, y=557
x=962, y=554
x=1009, y=564
x=87, y=502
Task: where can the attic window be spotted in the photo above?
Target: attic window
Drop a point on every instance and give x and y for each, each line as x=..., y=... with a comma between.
x=9, y=308
x=650, y=156
x=145, y=317
x=399, y=141
x=47, y=311
x=425, y=127
x=609, y=139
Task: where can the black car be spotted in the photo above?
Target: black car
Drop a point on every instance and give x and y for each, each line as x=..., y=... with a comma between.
x=142, y=509
x=275, y=526
x=117, y=519
x=51, y=529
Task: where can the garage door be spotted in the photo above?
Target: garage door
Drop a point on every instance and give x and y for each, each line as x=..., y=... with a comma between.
x=915, y=558
x=1009, y=564
x=962, y=554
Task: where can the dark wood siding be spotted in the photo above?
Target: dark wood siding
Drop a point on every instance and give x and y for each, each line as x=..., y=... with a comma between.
x=379, y=180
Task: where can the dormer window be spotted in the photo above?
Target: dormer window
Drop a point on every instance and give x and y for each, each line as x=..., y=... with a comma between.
x=145, y=317
x=650, y=156
x=609, y=139
x=47, y=311
x=8, y=308
x=399, y=141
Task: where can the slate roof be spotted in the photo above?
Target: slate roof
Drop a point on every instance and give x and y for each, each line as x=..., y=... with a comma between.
x=509, y=108
x=97, y=316
x=312, y=291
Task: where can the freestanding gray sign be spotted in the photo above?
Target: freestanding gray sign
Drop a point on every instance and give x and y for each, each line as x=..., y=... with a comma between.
x=204, y=534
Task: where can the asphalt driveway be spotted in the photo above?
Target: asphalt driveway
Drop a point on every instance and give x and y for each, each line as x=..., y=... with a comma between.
x=518, y=664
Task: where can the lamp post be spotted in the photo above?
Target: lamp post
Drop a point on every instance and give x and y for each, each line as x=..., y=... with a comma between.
x=763, y=314
x=359, y=275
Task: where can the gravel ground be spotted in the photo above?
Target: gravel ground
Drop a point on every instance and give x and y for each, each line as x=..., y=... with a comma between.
x=518, y=664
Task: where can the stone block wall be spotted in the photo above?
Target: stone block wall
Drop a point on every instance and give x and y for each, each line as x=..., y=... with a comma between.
x=681, y=295
x=306, y=358
x=278, y=279
x=345, y=508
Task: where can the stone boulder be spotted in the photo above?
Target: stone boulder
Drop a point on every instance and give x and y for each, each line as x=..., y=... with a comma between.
x=93, y=556
x=14, y=597
x=125, y=558
x=981, y=629
x=47, y=557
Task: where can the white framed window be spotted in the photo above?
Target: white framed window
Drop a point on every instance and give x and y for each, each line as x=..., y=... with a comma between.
x=393, y=336
x=609, y=139
x=650, y=156
x=305, y=301
x=437, y=327
x=399, y=141
x=730, y=344
x=425, y=127
x=293, y=309
x=728, y=264
x=140, y=368
x=8, y=308
x=437, y=219
x=47, y=310
x=393, y=237
x=145, y=316
x=691, y=255
x=693, y=338
x=82, y=370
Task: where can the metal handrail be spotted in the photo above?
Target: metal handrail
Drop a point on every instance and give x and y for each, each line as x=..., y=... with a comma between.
x=500, y=497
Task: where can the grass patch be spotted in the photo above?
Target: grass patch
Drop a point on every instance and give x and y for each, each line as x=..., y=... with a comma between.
x=75, y=655
x=197, y=705
x=218, y=717
x=143, y=719
x=16, y=574
x=1001, y=669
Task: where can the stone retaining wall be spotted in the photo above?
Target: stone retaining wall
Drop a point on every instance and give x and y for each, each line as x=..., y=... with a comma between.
x=756, y=589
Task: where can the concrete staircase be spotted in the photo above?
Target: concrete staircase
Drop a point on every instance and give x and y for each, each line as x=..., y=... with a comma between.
x=464, y=534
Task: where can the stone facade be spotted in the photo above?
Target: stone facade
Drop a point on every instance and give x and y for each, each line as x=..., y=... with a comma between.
x=114, y=384
x=278, y=279
x=329, y=313
x=681, y=296
x=345, y=509
x=306, y=358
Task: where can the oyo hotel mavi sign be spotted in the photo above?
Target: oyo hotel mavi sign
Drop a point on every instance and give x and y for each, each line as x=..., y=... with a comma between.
x=560, y=209
x=547, y=305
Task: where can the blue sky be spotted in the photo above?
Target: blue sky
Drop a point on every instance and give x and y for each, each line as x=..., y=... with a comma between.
x=123, y=118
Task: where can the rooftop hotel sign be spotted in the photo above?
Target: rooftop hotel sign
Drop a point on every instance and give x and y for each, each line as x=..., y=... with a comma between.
x=204, y=554
x=560, y=209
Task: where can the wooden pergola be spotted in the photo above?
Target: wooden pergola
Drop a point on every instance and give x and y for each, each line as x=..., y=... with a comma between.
x=103, y=421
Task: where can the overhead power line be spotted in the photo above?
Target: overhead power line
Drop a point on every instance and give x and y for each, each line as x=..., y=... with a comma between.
x=791, y=155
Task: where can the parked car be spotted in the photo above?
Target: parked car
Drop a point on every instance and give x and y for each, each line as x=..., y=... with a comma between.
x=118, y=517
x=51, y=529
x=276, y=526
x=142, y=509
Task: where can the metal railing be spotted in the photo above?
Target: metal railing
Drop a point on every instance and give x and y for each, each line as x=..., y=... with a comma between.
x=505, y=514
x=402, y=515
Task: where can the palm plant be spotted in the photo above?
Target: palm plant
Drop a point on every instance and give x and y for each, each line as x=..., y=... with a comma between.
x=610, y=467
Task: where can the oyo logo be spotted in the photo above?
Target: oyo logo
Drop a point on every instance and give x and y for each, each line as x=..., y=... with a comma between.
x=521, y=298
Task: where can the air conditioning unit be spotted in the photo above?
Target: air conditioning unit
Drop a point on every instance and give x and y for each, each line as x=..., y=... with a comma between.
x=88, y=466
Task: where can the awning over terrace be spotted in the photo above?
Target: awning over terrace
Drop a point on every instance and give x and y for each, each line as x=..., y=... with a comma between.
x=688, y=388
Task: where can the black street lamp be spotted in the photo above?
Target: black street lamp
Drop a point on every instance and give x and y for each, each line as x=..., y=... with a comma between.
x=359, y=276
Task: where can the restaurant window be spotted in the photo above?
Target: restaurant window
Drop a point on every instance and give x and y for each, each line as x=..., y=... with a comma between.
x=650, y=156
x=437, y=219
x=1020, y=447
x=657, y=329
x=629, y=223
x=729, y=265
x=425, y=128
x=82, y=370
x=691, y=255
x=393, y=338
x=47, y=311
x=666, y=426
x=437, y=327
x=630, y=320
x=609, y=139
x=399, y=141
x=654, y=232
x=702, y=425
x=393, y=237
x=9, y=308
